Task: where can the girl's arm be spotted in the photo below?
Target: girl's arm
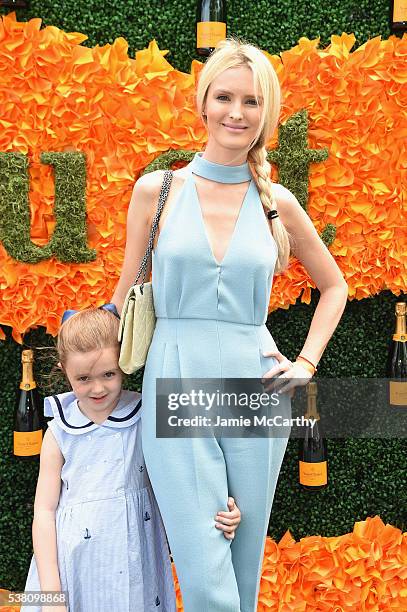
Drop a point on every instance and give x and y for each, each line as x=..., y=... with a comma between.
x=46, y=501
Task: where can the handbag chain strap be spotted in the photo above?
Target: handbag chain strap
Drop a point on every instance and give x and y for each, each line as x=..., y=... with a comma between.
x=161, y=201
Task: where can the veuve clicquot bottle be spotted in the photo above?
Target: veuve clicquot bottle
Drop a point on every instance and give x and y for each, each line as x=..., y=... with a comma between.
x=312, y=452
x=398, y=16
x=397, y=360
x=210, y=25
x=28, y=418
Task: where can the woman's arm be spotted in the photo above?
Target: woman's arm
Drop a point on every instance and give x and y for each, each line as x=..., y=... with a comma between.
x=46, y=501
x=322, y=268
x=140, y=214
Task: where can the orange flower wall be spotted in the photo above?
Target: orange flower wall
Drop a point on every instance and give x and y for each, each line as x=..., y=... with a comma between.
x=122, y=113
x=362, y=571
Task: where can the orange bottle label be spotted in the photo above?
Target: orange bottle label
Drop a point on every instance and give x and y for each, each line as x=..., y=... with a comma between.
x=27, y=443
x=398, y=393
x=209, y=33
x=400, y=10
x=313, y=474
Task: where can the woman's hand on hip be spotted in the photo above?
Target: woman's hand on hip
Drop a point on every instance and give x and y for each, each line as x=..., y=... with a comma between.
x=228, y=521
x=284, y=371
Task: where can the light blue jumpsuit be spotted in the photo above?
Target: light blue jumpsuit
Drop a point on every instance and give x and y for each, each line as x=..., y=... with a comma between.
x=211, y=323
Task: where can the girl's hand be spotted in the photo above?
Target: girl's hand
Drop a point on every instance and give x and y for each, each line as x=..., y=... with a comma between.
x=228, y=521
x=54, y=609
x=285, y=370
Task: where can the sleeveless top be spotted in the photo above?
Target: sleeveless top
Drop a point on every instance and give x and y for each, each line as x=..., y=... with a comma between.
x=111, y=543
x=187, y=279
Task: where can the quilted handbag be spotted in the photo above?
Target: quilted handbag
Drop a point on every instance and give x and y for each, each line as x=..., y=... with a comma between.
x=137, y=320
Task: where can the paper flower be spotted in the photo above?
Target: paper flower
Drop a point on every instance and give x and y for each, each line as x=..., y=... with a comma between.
x=123, y=113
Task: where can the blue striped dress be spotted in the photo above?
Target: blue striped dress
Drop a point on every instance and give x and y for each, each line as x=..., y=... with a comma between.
x=112, y=548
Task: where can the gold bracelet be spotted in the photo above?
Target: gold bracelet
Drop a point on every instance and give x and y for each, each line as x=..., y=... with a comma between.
x=307, y=364
x=310, y=362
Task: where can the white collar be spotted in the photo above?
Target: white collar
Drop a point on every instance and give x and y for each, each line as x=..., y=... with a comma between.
x=65, y=410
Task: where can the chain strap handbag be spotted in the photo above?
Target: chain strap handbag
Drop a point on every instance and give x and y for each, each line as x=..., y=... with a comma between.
x=137, y=320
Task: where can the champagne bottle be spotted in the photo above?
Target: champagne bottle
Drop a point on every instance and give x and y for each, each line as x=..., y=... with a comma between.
x=28, y=419
x=210, y=25
x=398, y=16
x=12, y=4
x=312, y=452
x=397, y=360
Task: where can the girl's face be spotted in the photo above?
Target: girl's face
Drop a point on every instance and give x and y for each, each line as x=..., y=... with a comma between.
x=231, y=102
x=96, y=380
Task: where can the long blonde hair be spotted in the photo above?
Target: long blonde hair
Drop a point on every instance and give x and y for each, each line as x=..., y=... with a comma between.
x=232, y=53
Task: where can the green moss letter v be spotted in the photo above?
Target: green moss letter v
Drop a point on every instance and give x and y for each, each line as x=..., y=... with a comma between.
x=68, y=242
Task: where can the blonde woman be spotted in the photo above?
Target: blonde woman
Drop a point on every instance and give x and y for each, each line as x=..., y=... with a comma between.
x=224, y=232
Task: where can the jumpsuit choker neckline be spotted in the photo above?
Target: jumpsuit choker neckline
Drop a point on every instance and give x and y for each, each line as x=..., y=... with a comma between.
x=220, y=173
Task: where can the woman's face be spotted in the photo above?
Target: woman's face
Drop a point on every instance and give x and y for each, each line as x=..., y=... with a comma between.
x=231, y=102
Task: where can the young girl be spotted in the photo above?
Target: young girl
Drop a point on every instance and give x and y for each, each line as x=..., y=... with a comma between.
x=97, y=529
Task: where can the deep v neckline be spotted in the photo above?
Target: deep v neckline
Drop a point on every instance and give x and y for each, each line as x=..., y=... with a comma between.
x=220, y=263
